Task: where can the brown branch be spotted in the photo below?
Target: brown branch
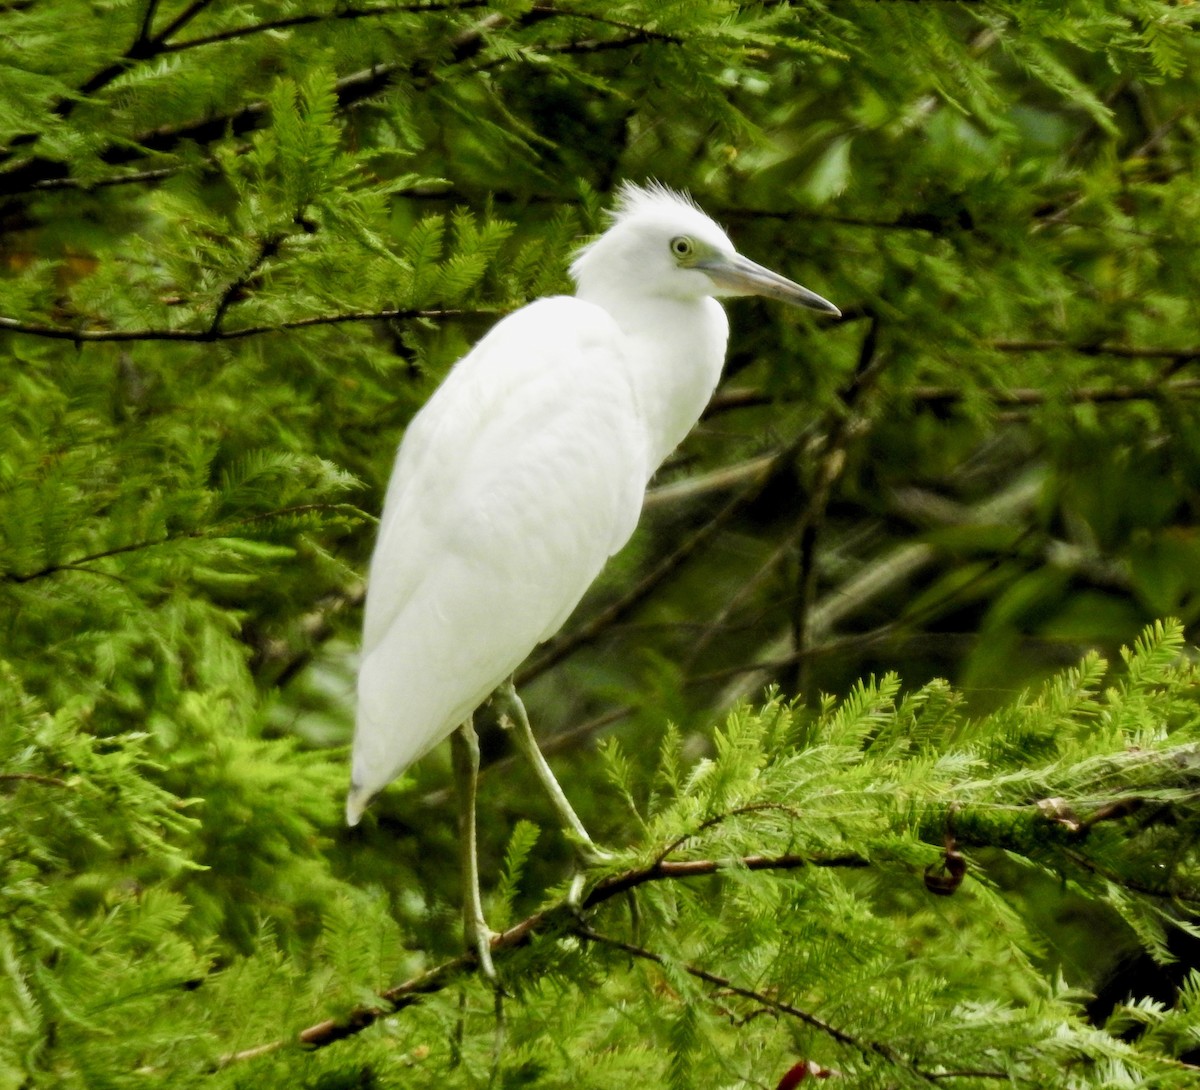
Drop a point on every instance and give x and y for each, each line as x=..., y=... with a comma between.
x=349, y=90
x=32, y=777
x=1026, y=397
x=214, y=533
x=131, y=178
x=848, y=425
x=1123, y=350
x=554, y=918
x=309, y=18
x=744, y=397
x=234, y=291
x=65, y=333
x=867, y=1048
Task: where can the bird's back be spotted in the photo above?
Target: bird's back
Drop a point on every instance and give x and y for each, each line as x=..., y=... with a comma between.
x=520, y=477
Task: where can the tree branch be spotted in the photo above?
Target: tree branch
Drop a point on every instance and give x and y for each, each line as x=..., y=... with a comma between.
x=268, y=247
x=745, y=397
x=567, y=643
x=309, y=18
x=845, y=428
x=354, y=88
x=65, y=333
x=554, y=918
x=1123, y=350
x=214, y=533
x=32, y=777
x=867, y=1048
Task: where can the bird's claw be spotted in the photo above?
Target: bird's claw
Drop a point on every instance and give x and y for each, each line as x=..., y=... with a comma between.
x=480, y=941
x=588, y=855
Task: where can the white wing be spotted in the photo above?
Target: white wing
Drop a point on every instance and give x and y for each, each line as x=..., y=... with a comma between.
x=522, y=474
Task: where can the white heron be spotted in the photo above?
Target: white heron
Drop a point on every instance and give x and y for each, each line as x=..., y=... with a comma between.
x=522, y=474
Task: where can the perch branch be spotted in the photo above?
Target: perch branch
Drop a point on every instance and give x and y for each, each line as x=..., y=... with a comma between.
x=556, y=917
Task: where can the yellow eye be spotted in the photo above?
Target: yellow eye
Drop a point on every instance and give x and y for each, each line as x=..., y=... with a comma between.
x=681, y=246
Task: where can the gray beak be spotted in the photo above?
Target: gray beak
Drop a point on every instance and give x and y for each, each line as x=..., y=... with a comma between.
x=737, y=275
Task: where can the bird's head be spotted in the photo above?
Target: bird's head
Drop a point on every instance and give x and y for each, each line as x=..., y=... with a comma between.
x=662, y=245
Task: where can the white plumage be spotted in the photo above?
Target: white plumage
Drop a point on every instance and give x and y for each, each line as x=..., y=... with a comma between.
x=526, y=470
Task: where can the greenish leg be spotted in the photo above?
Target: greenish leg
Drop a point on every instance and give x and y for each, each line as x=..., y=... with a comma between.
x=514, y=716
x=464, y=751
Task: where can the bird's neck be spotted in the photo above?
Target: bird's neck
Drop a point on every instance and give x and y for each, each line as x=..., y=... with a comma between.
x=676, y=351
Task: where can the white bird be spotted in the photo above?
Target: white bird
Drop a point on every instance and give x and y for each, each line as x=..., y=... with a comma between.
x=523, y=473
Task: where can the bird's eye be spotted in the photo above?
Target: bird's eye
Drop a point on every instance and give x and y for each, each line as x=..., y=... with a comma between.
x=681, y=247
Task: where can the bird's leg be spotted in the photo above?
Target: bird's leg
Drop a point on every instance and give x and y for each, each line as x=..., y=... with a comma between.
x=514, y=716
x=464, y=752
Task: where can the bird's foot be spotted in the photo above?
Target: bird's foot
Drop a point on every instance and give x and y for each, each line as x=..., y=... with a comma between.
x=479, y=941
x=587, y=856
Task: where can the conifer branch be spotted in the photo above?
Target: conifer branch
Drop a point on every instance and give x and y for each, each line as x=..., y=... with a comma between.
x=745, y=397
x=556, y=918
x=134, y=177
x=32, y=777
x=268, y=247
x=307, y=19
x=847, y=425
x=645, y=33
x=867, y=1048
x=182, y=19
x=358, y=86
x=65, y=333
x=1125, y=351
x=213, y=533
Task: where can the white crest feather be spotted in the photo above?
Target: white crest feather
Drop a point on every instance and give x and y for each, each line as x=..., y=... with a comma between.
x=633, y=200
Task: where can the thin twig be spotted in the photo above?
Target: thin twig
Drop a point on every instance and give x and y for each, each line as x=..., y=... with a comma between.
x=309, y=18
x=1126, y=351
x=847, y=426
x=32, y=777
x=268, y=247
x=567, y=643
x=214, y=533
x=867, y=1048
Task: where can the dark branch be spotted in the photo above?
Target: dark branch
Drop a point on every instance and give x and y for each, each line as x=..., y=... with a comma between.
x=742, y=397
x=267, y=248
x=567, y=643
x=32, y=777
x=43, y=173
x=867, y=1048
x=1025, y=397
x=309, y=18
x=63, y=333
x=556, y=918
x=842, y=431
x=1133, y=352
x=214, y=533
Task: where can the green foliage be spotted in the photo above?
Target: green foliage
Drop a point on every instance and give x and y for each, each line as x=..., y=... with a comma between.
x=239, y=246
